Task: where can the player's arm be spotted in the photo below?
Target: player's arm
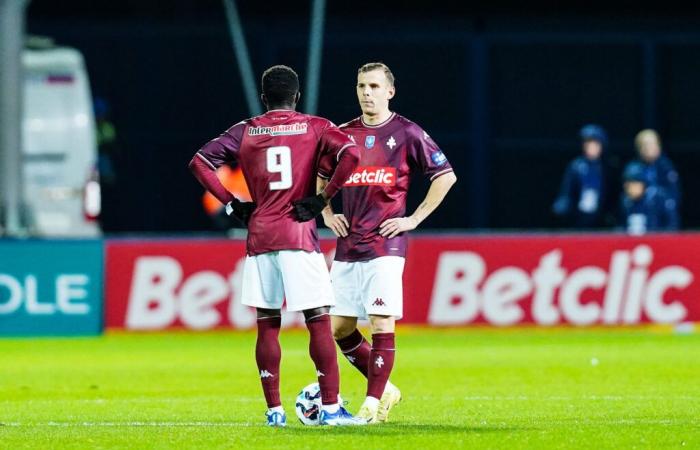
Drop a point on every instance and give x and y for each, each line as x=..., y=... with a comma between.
x=336, y=222
x=206, y=175
x=562, y=204
x=310, y=207
x=425, y=156
x=348, y=159
x=439, y=188
x=205, y=162
x=335, y=144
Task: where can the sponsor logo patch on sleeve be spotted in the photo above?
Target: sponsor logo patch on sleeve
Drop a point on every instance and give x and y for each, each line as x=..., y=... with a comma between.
x=438, y=158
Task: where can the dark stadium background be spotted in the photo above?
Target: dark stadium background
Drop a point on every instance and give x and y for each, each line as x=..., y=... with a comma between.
x=503, y=92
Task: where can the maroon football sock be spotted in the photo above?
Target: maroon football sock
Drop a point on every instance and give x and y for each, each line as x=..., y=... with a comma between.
x=323, y=353
x=268, y=356
x=356, y=349
x=381, y=361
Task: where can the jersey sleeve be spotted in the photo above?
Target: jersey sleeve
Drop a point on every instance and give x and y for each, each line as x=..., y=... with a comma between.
x=333, y=142
x=425, y=155
x=223, y=149
x=326, y=165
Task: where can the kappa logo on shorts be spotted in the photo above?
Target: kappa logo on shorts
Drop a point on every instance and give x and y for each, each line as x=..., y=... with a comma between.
x=378, y=302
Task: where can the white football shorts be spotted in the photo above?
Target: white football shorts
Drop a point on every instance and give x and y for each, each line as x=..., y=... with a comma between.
x=302, y=277
x=373, y=287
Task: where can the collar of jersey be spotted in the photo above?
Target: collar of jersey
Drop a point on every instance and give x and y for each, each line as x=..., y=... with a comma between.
x=279, y=110
x=379, y=125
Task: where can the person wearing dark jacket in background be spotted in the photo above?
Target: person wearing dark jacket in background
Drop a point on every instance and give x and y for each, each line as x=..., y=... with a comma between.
x=645, y=208
x=582, y=193
x=658, y=171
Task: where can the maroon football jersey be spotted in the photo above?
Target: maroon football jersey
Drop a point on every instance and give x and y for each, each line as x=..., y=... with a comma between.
x=279, y=153
x=376, y=191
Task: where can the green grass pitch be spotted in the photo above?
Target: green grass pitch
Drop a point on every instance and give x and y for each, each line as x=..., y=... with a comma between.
x=463, y=388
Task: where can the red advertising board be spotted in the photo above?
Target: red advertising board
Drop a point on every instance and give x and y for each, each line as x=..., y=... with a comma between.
x=457, y=280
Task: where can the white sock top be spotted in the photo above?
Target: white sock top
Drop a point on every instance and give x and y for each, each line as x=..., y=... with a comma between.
x=331, y=409
x=371, y=402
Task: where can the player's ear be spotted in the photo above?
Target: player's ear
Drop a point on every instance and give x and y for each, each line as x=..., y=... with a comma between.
x=297, y=97
x=263, y=99
x=392, y=92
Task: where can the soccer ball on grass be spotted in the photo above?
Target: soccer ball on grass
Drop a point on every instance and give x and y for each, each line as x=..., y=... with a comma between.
x=308, y=405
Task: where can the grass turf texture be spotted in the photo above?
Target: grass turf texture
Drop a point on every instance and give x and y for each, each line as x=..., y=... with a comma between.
x=475, y=388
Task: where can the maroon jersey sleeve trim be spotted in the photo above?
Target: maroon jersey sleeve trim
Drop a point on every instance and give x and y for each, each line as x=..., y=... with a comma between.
x=323, y=175
x=337, y=157
x=442, y=172
x=203, y=158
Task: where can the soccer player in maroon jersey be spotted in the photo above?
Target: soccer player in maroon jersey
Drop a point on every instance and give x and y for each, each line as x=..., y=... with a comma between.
x=279, y=153
x=371, y=249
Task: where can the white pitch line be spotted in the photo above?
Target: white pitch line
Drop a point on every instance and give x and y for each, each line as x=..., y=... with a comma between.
x=99, y=401
x=545, y=422
x=567, y=398
x=127, y=424
x=421, y=398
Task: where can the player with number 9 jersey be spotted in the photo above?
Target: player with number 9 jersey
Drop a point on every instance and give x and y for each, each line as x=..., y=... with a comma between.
x=278, y=153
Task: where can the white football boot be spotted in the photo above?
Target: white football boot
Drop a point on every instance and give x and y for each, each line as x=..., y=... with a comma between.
x=390, y=398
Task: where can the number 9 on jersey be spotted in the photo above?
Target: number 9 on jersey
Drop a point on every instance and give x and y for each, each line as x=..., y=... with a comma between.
x=279, y=160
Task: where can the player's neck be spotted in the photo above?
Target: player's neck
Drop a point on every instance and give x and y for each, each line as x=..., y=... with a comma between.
x=280, y=108
x=376, y=119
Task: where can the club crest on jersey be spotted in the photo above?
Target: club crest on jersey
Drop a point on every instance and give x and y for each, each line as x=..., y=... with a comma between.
x=369, y=142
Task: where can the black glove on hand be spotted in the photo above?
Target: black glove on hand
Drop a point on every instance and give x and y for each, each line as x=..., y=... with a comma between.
x=309, y=207
x=240, y=210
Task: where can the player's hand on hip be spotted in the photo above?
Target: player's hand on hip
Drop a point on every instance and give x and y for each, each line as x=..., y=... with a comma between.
x=392, y=227
x=337, y=223
x=240, y=210
x=309, y=207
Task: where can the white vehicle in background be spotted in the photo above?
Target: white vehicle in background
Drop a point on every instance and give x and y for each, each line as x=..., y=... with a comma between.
x=61, y=184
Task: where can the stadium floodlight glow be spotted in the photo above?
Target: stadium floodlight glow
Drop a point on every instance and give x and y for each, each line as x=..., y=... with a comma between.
x=313, y=71
x=242, y=57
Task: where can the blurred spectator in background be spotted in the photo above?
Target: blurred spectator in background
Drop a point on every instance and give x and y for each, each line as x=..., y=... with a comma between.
x=582, y=193
x=232, y=178
x=658, y=170
x=107, y=162
x=106, y=135
x=644, y=207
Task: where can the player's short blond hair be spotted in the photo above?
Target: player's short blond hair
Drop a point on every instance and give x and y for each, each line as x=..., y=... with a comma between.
x=378, y=66
x=645, y=134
